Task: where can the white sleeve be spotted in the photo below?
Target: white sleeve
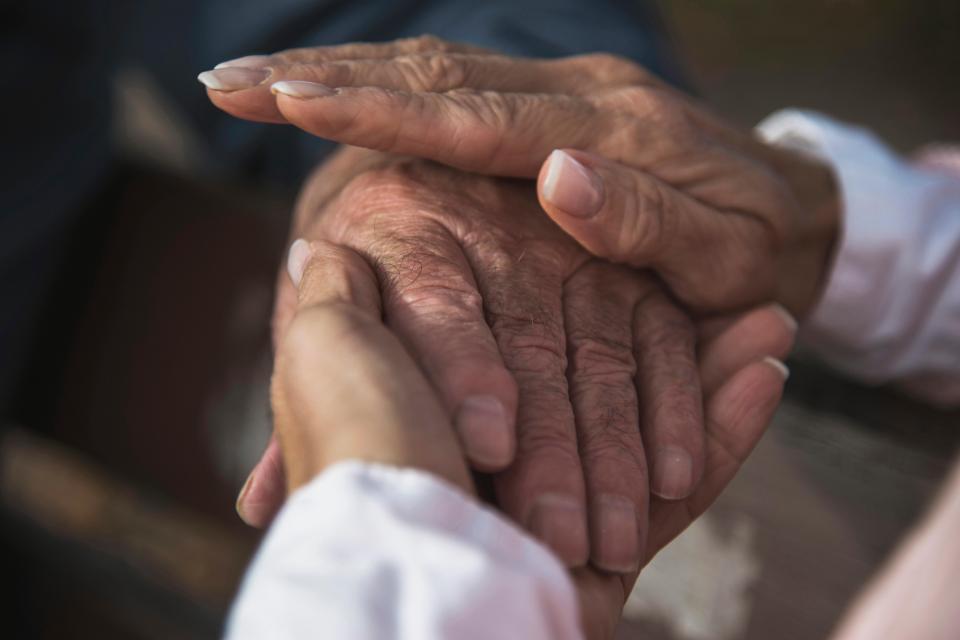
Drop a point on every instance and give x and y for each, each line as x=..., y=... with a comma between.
x=891, y=308
x=367, y=551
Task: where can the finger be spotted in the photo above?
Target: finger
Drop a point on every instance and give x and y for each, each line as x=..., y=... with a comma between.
x=246, y=94
x=507, y=134
x=765, y=331
x=543, y=489
x=241, y=86
x=601, y=596
x=357, y=51
x=334, y=274
x=598, y=314
x=432, y=302
x=265, y=489
x=737, y=415
x=630, y=216
x=668, y=384
x=345, y=389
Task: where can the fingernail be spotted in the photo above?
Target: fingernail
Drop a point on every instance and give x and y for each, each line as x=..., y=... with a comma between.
x=779, y=366
x=613, y=534
x=672, y=473
x=297, y=260
x=233, y=78
x=571, y=187
x=486, y=432
x=302, y=89
x=559, y=522
x=788, y=318
x=249, y=62
x=239, y=506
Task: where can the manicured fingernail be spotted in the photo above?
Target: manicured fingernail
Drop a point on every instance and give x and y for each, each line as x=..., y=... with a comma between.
x=559, y=522
x=297, y=260
x=779, y=366
x=672, y=473
x=249, y=62
x=613, y=534
x=572, y=187
x=788, y=318
x=302, y=89
x=485, y=430
x=241, y=497
x=233, y=78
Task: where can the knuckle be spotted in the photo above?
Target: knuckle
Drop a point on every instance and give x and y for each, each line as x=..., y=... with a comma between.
x=458, y=300
x=437, y=71
x=546, y=440
x=601, y=359
x=529, y=352
x=666, y=328
x=315, y=328
x=608, y=68
x=614, y=442
x=642, y=231
x=430, y=42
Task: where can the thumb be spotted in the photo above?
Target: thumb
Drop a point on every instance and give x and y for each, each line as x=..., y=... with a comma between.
x=629, y=216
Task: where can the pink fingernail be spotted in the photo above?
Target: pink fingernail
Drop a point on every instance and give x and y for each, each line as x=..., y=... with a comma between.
x=302, y=89
x=788, y=318
x=572, y=187
x=485, y=430
x=559, y=522
x=779, y=366
x=241, y=497
x=233, y=78
x=297, y=260
x=613, y=534
x=672, y=473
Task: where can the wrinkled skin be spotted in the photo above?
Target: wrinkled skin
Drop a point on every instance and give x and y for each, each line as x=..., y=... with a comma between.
x=344, y=389
x=492, y=299
x=726, y=220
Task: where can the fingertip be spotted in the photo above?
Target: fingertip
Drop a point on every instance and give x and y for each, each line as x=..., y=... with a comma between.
x=672, y=476
x=297, y=258
x=568, y=187
x=486, y=430
x=559, y=521
x=263, y=492
x=615, y=536
x=778, y=366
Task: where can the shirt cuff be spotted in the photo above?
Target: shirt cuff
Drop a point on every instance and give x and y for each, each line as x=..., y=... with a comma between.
x=849, y=315
x=363, y=546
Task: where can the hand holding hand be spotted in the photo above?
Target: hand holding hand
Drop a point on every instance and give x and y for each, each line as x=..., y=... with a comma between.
x=644, y=176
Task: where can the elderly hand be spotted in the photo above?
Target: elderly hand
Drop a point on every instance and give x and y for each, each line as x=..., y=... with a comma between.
x=642, y=175
x=585, y=370
x=344, y=388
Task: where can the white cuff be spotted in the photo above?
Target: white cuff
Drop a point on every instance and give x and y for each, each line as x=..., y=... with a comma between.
x=369, y=551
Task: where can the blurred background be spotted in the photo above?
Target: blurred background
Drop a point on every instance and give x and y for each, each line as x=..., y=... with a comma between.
x=144, y=399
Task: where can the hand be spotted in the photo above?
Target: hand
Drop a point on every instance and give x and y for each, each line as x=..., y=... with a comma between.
x=468, y=270
x=647, y=178
x=344, y=389
x=742, y=386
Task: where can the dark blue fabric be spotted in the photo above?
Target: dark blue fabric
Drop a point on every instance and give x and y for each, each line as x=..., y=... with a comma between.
x=58, y=59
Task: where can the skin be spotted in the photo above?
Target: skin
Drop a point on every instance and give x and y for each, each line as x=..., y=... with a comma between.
x=726, y=220
x=492, y=299
x=345, y=388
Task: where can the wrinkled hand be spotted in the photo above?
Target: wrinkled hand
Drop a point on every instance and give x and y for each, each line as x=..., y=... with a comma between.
x=345, y=389
x=647, y=178
x=534, y=347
